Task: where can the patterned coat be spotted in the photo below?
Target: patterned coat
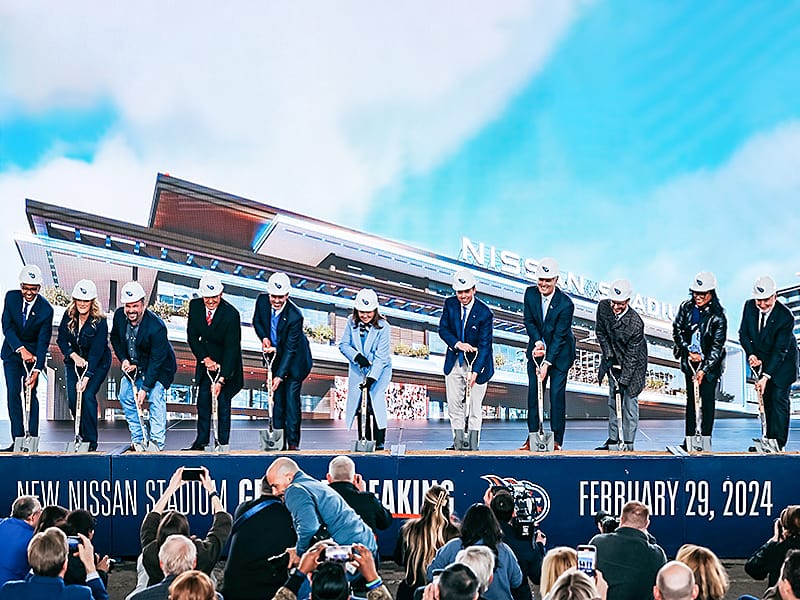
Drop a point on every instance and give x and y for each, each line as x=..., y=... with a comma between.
x=623, y=343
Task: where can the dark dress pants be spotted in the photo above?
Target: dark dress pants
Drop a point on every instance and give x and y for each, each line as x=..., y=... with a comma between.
x=776, y=409
x=88, y=425
x=708, y=394
x=204, y=415
x=287, y=410
x=14, y=373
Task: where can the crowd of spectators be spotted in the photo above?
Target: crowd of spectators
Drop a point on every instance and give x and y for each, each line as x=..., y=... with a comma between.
x=306, y=538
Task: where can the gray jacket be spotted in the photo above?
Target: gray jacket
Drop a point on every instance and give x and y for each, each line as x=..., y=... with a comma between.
x=623, y=343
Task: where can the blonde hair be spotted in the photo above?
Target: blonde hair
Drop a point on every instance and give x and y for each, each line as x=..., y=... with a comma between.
x=555, y=562
x=422, y=537
x=192, y=585
x=573, y=585
x=95, y=314
x=709, y=574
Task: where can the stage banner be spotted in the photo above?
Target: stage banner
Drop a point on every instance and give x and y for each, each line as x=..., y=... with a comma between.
x=708, y=500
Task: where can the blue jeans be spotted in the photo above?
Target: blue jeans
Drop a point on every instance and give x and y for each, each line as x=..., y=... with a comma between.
x=158, y=412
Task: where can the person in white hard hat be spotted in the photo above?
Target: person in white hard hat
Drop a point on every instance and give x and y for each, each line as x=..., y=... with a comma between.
x=366, y=343
x=767, y=336
x=83, y=340
x=466, y=327
x=547, y=313
x=279, y=325
x=27, y=327
x=139, y=339
x=699, y=331
x=620, y=333
x=214, y=331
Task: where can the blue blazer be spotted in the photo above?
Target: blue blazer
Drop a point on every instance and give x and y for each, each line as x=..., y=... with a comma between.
x=293, y=358
x=91, y=343
x=377, y=349
x=155, y=356
x=477, y=332
x=35, y=336
x=554, y=328
x=37, y=587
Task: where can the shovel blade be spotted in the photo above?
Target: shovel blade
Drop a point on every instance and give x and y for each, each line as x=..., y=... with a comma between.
x=541, y=442
x=222, y=448
x=363, y=446
x=76, y=447
x=767, y=446
x=698, y=443
x=271, y=441
x=28, y=444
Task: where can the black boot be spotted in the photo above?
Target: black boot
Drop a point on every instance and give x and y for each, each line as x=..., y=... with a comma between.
x=380, y=438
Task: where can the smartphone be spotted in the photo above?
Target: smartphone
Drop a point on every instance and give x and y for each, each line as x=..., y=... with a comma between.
x=587, y=559
x=73, y=542
x=192, y=473
x=337, y=553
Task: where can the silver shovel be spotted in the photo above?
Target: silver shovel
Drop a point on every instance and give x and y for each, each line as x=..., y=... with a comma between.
x=539, y=440
x=464, y=439
x=146, y=445
x=362, y=444
x=28, y=443
x=218, y=448
x=697, y=442
x=77, y=445
x=618, y=400
x=764, y=445
x=271, y=439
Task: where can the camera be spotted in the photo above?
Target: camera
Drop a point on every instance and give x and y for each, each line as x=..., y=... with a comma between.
x=605, y=522
x=338, y=553
x=73, y=541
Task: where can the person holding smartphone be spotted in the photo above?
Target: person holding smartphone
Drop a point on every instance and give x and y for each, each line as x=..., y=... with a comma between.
x=768, y=559
x=628, y=558
x=159, y=524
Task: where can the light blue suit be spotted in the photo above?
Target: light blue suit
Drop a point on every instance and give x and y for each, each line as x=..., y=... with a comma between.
x=378, y=351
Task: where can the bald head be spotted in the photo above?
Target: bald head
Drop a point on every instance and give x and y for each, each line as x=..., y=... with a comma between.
x=675, y=581
x=280, y=474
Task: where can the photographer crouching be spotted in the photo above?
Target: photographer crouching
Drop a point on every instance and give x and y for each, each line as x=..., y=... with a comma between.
x=327, y=566
x=521, y=534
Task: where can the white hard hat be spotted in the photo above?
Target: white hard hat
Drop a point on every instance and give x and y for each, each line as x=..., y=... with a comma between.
x=278, y=284
x=548, y=268
x=463, y=279
x=764, y=287
x=31, y=275
x=131, y=292
x=85, y=289
x=704, y=281
x=210, y=285
x=620, y=290
x=366, y=300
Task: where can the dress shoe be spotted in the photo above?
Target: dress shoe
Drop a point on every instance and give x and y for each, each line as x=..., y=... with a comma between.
x=526, y=446
x=450, y=447
x=556, y=447
x=9, y=449
x=193, y=448
x=293, y=447
x=752, y=449
x=608, y=445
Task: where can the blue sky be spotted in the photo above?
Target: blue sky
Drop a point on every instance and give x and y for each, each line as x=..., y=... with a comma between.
x=646, y=139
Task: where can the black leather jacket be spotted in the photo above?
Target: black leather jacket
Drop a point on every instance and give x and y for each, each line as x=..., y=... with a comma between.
x=713, y=331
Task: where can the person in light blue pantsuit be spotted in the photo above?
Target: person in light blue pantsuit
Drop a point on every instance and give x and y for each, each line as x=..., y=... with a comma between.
x=366, y=344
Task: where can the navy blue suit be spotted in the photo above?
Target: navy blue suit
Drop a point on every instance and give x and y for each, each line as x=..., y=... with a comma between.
x=477, y=332
x=555, y=330
x=35, y=336
x=91, y=343
x=292, y=363
x=222, y=341
x=36, y=587
x=776, y=347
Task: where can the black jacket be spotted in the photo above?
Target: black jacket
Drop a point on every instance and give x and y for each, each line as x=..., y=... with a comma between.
x=713, y=330
x=775, y=345
x=264, y=535
x=91, y=343
x=768, y=560
x=222, y=341
x=368, y=507
x=155, y=356
x=622, y=342
x=293, y=358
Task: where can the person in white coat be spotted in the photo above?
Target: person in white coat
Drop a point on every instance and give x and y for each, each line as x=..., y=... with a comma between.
x=366, y=345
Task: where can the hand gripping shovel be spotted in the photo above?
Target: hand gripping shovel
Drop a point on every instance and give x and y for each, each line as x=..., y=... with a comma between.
x=362, y=444
x=697, y=442
x=764, y=445
x=539, y=440
x=271, y=439
x=618, y=401
x=218, y=448
x=28, y=443
x=146, y=445
x=466, y=439
x=77, y=446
